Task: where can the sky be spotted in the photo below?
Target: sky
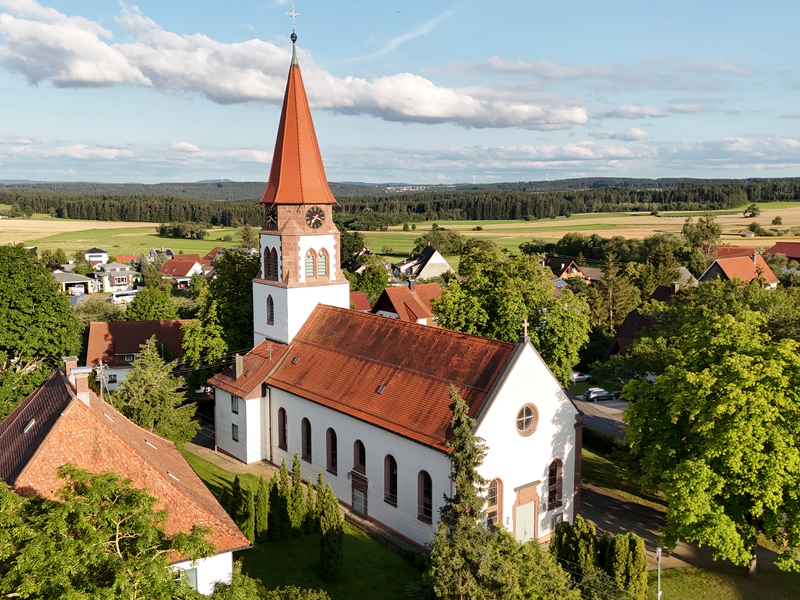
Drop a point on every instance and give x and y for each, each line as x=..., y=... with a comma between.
x=402, y=91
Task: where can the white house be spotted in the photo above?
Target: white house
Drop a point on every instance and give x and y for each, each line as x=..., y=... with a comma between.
x=96, y=255
x=181, y=270
x=428, y=263
x=365, y=398
x=115, y=277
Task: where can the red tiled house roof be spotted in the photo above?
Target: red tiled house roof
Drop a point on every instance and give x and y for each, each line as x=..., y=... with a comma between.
x=790, y=249
x=345, y=356
x=407, y=305
x=360, y=300
x=743, y=268
x=297, y=175
x=257, y=365
x=98, y=438
x=178, y=268
x=734, y=251
x=111, y=342
x=125, y=258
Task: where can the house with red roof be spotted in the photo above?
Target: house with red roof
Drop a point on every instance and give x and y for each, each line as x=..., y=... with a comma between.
x=367, y=398
x=182, y=269
x=360, y=301
x=63, y=421
x=790, y=249
x=116, y=345
x=411, y=303
x=743, y=268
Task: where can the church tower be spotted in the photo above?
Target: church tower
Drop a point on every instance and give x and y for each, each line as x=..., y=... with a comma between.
x=299, y=241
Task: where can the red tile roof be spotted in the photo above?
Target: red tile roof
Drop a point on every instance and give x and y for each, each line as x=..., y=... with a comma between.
x=790, y=249
x=733, y=251
x=345, y=356
x=211, y=256
x=743, y=268
x=125, y=258
x=98, y=438
x=360, y=300
x=177, y=267
x=257, y=365
x=407, y=305
x=297, y=175
x=111, y=342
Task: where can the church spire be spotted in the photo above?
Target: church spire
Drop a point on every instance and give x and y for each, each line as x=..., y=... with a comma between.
x=297, y=175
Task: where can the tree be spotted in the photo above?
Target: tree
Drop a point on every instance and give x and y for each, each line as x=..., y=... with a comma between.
x=332, y=542
x=372, y=281
x=613, y=297
x=704, y=234
x=53, y=257
x=291, y=592
x=279, y=524
x=240, y=587
x=752, y=211
x=150, y=398
x=262, y=510
x=37, y=326
x=311, y=510
x=444, y=240
x=297, y=509
x=626, y=564
x=151, y=304
x=719, y=430
x=101, y=538
x=81, y=266
x=96, y=309
x=247, y=238
x=233, y=292
x=777, y=220
x=350, y=243
x=202, y=342
x=498, y=291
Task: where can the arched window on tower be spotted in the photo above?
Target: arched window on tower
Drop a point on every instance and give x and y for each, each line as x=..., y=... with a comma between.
x=270, y=311
x=267, y=264
x=310, y=256
x=274, y=257
x=322, y=264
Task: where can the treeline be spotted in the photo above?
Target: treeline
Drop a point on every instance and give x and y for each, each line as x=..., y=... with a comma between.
x=136, y=208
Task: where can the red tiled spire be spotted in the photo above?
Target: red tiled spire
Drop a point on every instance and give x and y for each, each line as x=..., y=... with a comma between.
x=297, y=175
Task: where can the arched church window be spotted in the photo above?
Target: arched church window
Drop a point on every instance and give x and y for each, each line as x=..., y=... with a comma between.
x=270, y=311
x=283, y=429
x=333, y=451
x=494, y=502
x=554, y=477
x=322, y=264
x=424, y=497
x=390, y=480
x=359, y=457
x=310, y=263
x=274, y=260
x=267, y=264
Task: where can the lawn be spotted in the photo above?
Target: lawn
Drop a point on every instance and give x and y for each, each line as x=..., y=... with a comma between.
x=371, y=569
x=725, y=584
x=600, y=470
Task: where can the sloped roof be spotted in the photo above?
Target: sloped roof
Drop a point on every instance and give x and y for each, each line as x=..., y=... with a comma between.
x=745, y=269
x=409, y=306
x=69, y=277
x=733, y=251
x=360, y=300
x=95, y=251
x=297, y=175
x=213, y=254
x=790, y=249
x=111, y=342
x=345, y=356
x=636, y=322
x=257, y=365
x=417, y=260
x=126, y=258
x=188, y=257
x=98, y=438
x=178, y=268
x=593, y=273
x=559, y=265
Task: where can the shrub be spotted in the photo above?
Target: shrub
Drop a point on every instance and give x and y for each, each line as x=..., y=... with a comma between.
x=601, y=442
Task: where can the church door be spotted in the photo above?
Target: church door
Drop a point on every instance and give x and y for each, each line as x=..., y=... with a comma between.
x=360, y=485
x=526, y=509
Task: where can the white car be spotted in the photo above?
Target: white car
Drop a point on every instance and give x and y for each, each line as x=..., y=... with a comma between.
x=577, y=377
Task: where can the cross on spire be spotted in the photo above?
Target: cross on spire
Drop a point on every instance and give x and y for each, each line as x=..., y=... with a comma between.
x=293, y=15
x=525, y=327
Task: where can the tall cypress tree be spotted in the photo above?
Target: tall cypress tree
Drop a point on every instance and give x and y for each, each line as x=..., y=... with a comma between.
x=310, y=516
x=331, y=544
x=238, y=510
x=320, y=501
x=279, y=526
x=262, y=510
x=248, y=525
x=297, y=509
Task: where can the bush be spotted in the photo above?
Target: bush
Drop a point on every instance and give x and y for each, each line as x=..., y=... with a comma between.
x=777, y=221
x=601, y=442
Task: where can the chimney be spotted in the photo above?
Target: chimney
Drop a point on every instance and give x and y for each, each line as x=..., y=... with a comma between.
x=675, y=287
x=238, y=366
x=70, y=362
x=411, y=283
x=81, y=383
x=755, y=262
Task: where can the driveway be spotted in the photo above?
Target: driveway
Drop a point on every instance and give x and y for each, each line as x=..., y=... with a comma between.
x=604, y=417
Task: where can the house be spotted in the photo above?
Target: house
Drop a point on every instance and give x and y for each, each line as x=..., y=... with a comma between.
x=116, y=345
x=115, y=277
x=126, y=259
x=356, y=263
x=360, y=301
x=747, y=233
x=425, y=265
x=96, y=256
x=562, y=267
x=181, y=270
x=410, y=303
x=592, y=274
x=154, y=253
x=743, y=268
x=367, y=398
x=212, y=257
x=63, y=421
x=733, y=251
x=790, y=249
x=75, y=284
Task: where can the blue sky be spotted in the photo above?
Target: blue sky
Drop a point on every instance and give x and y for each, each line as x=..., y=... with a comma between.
x=404, y=91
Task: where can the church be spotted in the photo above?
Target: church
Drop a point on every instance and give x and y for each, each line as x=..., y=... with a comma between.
x=365, y=398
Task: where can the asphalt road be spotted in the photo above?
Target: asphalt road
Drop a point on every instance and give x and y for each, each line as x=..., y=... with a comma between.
x=604, y=417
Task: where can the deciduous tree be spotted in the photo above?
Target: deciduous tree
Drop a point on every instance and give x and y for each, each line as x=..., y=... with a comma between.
x=151, y=304
x=233, y=292
x=203, y=342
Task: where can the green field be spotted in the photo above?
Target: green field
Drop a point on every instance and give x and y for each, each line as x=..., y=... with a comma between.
x=725, y=584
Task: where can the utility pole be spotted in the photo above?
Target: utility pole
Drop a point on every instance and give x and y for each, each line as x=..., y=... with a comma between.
x=658, y=556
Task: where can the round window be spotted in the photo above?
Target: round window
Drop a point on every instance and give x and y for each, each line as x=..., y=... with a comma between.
x=527, y=419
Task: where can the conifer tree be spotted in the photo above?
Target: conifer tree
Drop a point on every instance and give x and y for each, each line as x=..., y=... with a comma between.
x=279, y=526
x=331, y=545
x=310, y=516
x=248, y=526
x=617, y=560
x=262, y=510
x=583, y=544
x=297, y=509
x=237, y=502
x=320, y=501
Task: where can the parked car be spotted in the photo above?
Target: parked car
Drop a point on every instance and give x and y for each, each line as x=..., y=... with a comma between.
x=598, y=395
x=578, y=377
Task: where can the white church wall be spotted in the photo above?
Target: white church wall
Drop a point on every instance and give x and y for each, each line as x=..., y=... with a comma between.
x=279, y=330
x=246, y=449
x=411, y=458
x=209, y=570
x=518, y=460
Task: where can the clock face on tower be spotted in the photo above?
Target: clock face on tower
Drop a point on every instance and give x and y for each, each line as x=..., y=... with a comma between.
x=315, y=217
x=272, y=217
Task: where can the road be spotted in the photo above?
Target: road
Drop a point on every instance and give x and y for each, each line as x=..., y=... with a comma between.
x=604, y=417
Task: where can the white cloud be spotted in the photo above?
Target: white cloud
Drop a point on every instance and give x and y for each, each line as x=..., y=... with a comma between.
x=690, y=108
x=41, y=44
x=184, y=147
x=629, y=135
x=636, y=112
x=423, y=29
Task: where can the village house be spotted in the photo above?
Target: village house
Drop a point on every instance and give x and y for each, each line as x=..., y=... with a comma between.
x=366, y=398
x=96, y=256
x=115, y=277
x=411, y=303
x=63, y=421
x=425, y=265
x=181, y=270
x=743, y=268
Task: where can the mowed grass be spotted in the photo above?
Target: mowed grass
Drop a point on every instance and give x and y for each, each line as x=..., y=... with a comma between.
x=371, y=569
x=599, y=470
x=725, y=584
